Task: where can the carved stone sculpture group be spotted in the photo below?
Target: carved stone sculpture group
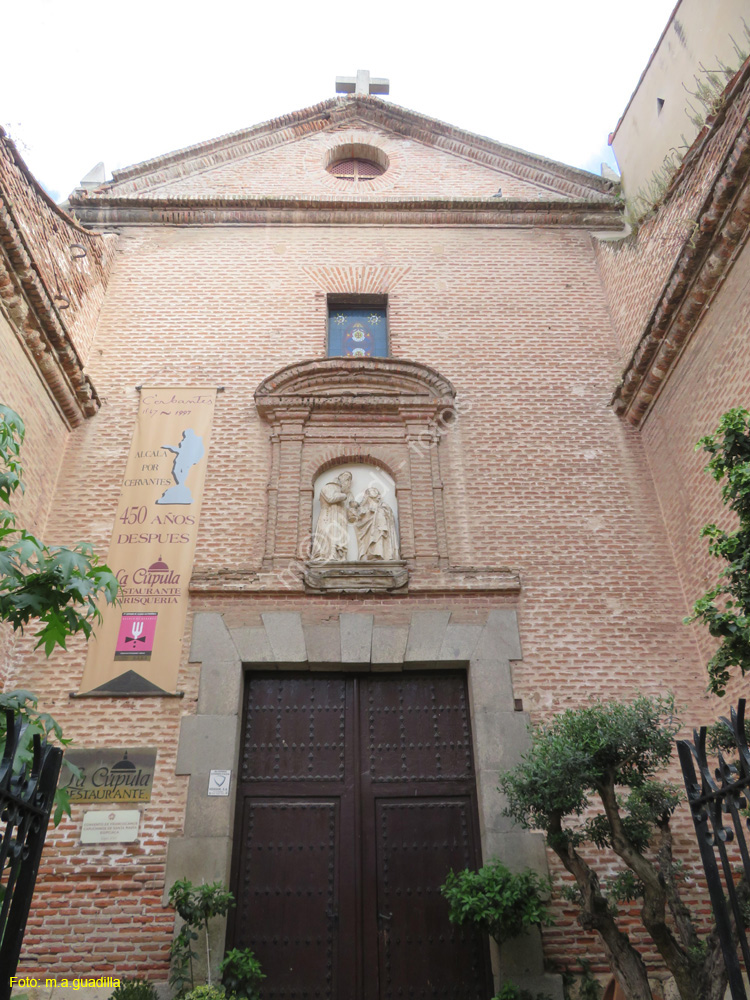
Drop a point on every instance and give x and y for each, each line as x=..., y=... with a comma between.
x=374, y=524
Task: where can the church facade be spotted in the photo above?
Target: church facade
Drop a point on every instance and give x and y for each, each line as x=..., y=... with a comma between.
x=388, y=431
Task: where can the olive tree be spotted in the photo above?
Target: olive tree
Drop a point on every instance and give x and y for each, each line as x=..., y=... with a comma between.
x=591, y=780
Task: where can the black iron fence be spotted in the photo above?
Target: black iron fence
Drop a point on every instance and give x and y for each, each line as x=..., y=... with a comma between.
x=28, y=778
x=717, y=801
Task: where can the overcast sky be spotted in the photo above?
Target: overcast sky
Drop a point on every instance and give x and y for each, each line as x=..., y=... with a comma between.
x=84, y=82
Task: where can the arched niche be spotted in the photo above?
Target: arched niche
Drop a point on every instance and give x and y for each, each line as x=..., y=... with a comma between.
x=387, y=413
x=364, y=478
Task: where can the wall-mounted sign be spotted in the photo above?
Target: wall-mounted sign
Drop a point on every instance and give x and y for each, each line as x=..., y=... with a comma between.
x=118, y=826
x=218, y=782
x=137, y=647
x=112, y=774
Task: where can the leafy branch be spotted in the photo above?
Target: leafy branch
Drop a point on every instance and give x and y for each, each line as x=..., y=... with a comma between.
x=725, y=609
x=55, y=586
x=591, y=779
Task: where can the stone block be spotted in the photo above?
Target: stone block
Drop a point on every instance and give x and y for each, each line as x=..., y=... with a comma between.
x=500, y=738
x=208, y=815
x=500, y=638
x=211, y=638
x=197, y=858
x=356, y=638
x=389, y=644
x=323, y=643
x=426, y=634
x=493, y=824
x=490, y=686
x=459, y=642
x=525, y=960
x=220, y=691
x=253, y=645
x=546, y=984
x=519, y=849
x=206, y=741
x=284, y=631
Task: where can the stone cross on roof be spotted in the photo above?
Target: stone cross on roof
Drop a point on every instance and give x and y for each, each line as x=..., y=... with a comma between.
x=362, y=83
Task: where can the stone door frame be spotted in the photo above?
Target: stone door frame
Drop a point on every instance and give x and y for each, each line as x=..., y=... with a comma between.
x=211, y=739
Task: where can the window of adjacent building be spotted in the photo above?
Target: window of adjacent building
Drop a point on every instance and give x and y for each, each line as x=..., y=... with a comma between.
x=357, y=331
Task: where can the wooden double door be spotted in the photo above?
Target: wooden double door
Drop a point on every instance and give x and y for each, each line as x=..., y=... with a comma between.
x=356, y=798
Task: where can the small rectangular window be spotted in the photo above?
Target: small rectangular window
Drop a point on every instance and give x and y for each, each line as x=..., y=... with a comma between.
x=357, y=329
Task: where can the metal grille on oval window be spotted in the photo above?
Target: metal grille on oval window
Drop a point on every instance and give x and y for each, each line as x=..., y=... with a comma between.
x=356, y=169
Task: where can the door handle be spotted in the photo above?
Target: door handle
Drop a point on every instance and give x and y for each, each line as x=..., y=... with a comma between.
x=385, y=916
x=331, y=915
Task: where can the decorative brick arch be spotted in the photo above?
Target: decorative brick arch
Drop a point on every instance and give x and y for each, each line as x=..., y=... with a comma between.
x=382, y=411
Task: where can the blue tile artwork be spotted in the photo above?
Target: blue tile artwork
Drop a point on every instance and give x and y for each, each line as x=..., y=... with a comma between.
x=357, y=333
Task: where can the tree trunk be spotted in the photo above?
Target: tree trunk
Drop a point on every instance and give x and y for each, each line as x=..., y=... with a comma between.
x=654, y=909
x=627, y=965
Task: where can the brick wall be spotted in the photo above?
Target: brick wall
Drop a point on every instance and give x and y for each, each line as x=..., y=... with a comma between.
x=539, y=475
x=712, y=373
x=37, y=347
x=294, y=170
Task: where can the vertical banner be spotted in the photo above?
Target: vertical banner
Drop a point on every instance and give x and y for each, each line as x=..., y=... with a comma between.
x=138, y=645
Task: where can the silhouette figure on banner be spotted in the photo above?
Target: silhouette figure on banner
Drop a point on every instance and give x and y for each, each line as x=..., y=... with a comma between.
x=187, y=454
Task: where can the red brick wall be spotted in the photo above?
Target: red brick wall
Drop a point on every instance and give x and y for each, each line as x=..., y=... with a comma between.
x=713, y=372
x=539, y=475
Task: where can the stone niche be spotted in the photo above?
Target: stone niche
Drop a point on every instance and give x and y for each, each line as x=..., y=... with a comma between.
x=355, y=535
x=378, y=418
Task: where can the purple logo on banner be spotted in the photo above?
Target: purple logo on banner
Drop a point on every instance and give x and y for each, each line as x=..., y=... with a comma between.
x=136, y=637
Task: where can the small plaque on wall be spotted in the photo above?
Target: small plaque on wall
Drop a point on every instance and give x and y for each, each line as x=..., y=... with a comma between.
x=118, y=826
x=218, y=782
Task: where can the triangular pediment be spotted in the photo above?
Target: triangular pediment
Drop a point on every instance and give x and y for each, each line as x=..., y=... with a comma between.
x=286, y=158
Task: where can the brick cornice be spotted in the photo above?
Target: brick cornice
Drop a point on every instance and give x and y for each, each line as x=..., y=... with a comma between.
x=721, y=228
x=102, y=210
x=34, y=317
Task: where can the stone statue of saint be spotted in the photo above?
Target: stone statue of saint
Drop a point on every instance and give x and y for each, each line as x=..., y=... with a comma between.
x=375, y=528
x=186, y=454
x=337, y=510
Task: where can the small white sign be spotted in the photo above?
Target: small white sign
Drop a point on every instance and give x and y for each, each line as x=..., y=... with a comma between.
x=115, y=826
x=218, y=782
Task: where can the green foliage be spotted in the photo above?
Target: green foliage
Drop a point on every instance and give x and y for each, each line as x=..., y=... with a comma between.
x=12, y=433
x=648, y=197
x=588, y=986
x=241, y=973
x=509, y=991
x=725, y=610
x=55, y=586
x=591, y=777
x=207, y=993
x=624, y=887
x=197, y=905
x=496, y=900
x=134, y=989
x=582, y=750
x=24, y=704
